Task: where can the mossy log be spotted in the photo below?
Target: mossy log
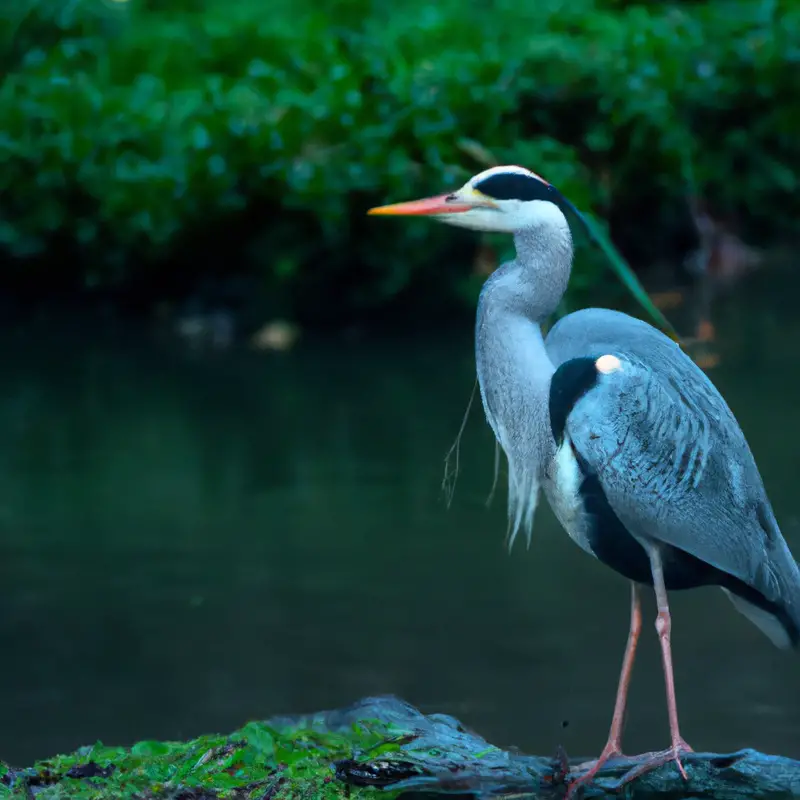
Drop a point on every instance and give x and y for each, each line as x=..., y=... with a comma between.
x=378, y=747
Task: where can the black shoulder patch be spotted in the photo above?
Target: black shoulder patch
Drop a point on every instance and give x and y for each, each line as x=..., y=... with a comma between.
x=570, y=382
x=516, y=186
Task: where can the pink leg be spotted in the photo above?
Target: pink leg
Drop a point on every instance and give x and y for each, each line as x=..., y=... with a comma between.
x=614, y=744
x=663, y=627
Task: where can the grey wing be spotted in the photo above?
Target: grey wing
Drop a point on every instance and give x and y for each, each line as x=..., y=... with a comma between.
x=676, y=468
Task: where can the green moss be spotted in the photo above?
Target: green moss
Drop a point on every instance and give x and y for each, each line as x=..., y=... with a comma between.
x=257, y=761
x=376, y=747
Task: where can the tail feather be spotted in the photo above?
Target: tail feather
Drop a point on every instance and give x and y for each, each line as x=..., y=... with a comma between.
x=776, y=624
x=773, y=606
x=771, y=601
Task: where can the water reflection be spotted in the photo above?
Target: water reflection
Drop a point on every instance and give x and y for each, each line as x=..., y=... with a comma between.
x=189, y=542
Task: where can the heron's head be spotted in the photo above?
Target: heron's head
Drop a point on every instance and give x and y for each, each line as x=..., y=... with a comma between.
x=501, y=199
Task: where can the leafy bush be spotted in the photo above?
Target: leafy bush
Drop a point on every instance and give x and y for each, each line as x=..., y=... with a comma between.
x=150, y=142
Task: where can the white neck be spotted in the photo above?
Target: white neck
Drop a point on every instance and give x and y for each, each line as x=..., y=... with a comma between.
x=514, y=369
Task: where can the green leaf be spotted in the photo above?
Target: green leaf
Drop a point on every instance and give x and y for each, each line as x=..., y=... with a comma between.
x=259, y=737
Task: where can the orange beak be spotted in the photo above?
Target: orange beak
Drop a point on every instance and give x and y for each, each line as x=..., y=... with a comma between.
x=424, y=207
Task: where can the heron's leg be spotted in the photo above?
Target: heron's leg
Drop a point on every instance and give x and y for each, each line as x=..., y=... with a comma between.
x=614, y=744
x=663, y=627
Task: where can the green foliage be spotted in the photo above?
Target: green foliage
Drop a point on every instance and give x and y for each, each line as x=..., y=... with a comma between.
x=255, y=762
x=140, y=136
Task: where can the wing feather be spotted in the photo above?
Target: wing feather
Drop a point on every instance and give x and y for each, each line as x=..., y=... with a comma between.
x=676, y=468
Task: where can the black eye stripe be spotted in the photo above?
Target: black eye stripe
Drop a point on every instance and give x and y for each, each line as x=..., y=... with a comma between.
x=515, y=186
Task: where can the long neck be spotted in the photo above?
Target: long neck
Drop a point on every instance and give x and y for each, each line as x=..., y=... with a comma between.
x=514, y=369
x=540, y=273
x=515, y=301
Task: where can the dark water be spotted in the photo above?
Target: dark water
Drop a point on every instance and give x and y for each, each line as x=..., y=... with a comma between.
x=189, y=542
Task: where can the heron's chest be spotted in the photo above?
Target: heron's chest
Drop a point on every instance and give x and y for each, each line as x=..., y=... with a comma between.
x=579, y=503
x=563, y=488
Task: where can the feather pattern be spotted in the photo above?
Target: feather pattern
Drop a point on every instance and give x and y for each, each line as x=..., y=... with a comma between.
x=670, y=456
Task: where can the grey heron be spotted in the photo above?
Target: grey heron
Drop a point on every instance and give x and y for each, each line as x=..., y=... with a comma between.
x=638, y=454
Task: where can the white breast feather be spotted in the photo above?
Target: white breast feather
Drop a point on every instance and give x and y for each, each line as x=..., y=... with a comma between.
x=564, y=495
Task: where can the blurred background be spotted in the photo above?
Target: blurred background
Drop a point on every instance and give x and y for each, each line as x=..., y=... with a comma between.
x=228, y=395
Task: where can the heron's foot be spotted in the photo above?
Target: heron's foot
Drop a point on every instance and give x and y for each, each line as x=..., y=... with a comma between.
x=591, y=768
x=650, y=761
x=641, y=764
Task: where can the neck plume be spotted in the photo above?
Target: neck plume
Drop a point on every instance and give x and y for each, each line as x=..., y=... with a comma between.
x=514, y=369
